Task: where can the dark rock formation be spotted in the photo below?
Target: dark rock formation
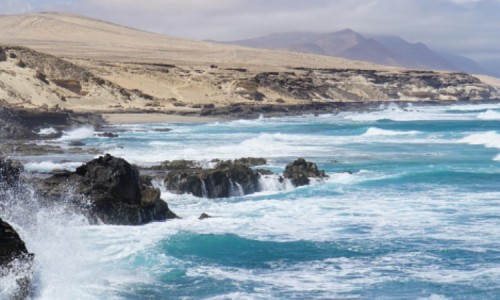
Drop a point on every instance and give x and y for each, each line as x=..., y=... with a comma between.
x=301, y=170
x=15, y=259
x=3, y=55
x=225, y=180
x=108, y=189
x=251, y=161
x=107, y=135
x=204, y=216
x=10, y=172
x=11, y=246
x=176, y=165
x=76, y=143
x=11, y=127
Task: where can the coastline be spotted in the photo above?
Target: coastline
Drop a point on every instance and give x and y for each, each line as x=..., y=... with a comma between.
x=147, y=118
x=237, y=111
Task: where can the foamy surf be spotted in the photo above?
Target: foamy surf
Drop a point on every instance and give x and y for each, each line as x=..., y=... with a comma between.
x=422, y=195
x=373, y=131
x=490, y=139
x=78, y=134
x=489, y=115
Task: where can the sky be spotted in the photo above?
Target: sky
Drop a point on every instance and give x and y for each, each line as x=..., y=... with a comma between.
x=466, y=27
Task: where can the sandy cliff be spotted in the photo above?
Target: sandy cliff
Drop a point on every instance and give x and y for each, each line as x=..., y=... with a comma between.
x=97, y=66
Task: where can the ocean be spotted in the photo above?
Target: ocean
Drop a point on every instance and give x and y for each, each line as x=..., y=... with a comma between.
x=411, y=210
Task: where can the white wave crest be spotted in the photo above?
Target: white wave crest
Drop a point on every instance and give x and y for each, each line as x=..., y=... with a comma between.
x=348, y=178
x=78, y=133
x=47, y=166
x=373, y=131
x=489, y=139
x=47, y=131
x=489, y=115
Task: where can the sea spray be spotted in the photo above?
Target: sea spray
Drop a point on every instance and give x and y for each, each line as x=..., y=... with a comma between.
x=79, y=133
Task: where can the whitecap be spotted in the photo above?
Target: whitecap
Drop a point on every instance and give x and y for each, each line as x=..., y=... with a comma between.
x=47, y=166
x=489, y=139
x=78, y=134
x=373, y=131
x=47, y=131
x=489, y=115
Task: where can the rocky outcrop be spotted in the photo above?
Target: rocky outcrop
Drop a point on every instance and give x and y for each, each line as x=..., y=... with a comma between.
x=10, y=172
x=225, y=180
x=11, y=127
x=300, y=172
x=11, y=246
x=110, y=190
x=367, y=85
x=15, y=260
x=3, y=55
x=251, y=161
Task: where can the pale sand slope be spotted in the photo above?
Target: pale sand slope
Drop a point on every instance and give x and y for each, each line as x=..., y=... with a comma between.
x=155, y=73
x=75, y=36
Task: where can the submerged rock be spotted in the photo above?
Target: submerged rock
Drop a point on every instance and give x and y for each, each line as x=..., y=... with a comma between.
x=108, y=189
x=301, y=170
x=225, y=180
x=15, y=260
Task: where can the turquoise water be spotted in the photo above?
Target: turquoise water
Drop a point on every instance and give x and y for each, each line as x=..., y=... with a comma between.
x=411, y=211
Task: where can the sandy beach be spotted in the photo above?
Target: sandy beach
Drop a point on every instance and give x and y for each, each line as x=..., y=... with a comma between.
x=143, y=118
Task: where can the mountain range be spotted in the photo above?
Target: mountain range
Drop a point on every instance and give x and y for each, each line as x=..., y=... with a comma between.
x=388, y=50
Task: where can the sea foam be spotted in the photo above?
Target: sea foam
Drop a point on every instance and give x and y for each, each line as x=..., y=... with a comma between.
x=489, y=115
x=78, y=134
x=489, y=139
x=373, y=131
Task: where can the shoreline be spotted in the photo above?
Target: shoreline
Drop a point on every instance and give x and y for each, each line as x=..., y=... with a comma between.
x=152, y=118
x=247, y=111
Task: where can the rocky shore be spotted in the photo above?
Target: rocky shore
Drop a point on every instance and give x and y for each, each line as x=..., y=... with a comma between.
x=109, y=190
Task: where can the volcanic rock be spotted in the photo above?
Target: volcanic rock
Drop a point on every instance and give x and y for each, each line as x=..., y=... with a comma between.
x=110, y=190
x=15, y=259
x=301, y=170
x=225, y=180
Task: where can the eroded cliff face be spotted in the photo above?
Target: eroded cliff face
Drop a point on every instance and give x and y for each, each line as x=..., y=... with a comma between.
x=193, y=87
x=35, y=80
x=366, y=85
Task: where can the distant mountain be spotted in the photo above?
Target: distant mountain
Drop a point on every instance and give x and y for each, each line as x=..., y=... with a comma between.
x=380, y=49
x=414, y=55
x=492, y=66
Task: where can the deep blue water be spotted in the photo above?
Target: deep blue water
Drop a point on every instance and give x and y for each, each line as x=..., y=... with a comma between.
x=418, y=218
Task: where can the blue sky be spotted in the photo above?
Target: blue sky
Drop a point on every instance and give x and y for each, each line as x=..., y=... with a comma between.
x=467, y=27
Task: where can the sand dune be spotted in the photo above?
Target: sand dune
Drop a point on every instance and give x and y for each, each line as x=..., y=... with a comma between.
x=75, y=36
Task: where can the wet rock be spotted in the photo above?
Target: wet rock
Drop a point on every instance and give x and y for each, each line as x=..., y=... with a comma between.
x=15, y=260
x=175, y=165
x=107, y=135
x=10, y=172
x=204, y=216
x=108, y=189
x=76, y=143
x=301, y=170
x=3, y=55
x=162, y=129
x=11, y=127
x=251, y=161
x=227, y=179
